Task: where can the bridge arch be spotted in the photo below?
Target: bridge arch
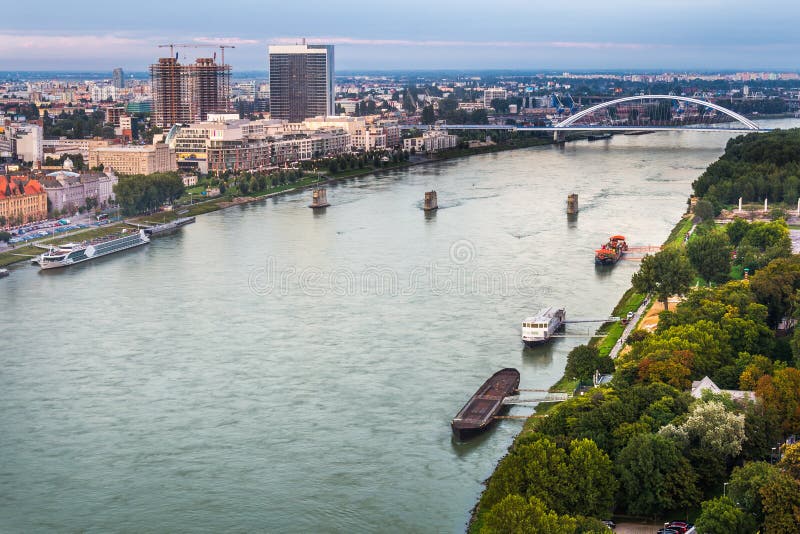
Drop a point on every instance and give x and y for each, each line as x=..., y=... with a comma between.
x=735, y=116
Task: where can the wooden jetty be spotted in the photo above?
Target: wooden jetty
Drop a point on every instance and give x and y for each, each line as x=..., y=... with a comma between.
x=431, y=202
x=319, y=198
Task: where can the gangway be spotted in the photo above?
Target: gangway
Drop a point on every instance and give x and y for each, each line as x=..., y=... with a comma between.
x=548, y=397
x=611, y=319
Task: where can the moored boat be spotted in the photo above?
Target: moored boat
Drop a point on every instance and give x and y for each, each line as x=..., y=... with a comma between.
x=4, y=273
x=611, y=252
x=169, y=226
x=540, y=328
x=73, y=253
x=479, y=412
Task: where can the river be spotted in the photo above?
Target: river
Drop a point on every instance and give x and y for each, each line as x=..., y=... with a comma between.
x=274, y=369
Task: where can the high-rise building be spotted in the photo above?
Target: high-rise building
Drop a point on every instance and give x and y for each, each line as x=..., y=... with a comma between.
x=118, y=78
x=301, y=80
x=188, y=93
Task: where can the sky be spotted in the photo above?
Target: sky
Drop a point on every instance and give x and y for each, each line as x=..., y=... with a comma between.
x=707, y=35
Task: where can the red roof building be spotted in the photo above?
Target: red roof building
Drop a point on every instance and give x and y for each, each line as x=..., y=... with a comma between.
x=22, y=199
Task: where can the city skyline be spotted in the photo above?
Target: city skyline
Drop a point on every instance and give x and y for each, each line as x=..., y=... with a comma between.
x=706, y=34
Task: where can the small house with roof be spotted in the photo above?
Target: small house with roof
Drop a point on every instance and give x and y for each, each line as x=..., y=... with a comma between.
x=706, y=384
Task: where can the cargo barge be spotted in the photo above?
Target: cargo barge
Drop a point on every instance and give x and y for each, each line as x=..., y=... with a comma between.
x=478, y=414
x=611, y=252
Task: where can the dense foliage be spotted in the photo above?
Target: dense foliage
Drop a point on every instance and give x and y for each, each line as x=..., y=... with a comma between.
x=140, y=193
x=755, y=166
x=655, y=449
x=77, y=125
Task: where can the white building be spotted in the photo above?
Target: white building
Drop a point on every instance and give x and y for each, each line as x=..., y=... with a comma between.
x=103, y=92
x=493, y=93
x=431, y=141
x=29, y=143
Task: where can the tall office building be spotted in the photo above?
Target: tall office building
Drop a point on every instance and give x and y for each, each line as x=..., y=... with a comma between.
x=118, y=78
x=188, y=93
x=301, y=81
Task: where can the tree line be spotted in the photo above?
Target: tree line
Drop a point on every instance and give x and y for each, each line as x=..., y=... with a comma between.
x=755, y=167
x=139, y=193
x=643, y=445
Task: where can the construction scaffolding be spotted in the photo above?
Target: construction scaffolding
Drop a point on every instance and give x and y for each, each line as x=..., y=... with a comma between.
x=188, y=93
x=170, y=97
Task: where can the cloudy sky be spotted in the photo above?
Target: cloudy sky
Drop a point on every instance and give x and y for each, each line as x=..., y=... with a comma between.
x=412, y=34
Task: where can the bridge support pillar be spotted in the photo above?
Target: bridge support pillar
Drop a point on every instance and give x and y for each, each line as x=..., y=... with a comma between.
x=558, y=136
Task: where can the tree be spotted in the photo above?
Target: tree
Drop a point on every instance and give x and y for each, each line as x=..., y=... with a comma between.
x=710, y=437
x=654, y=476
x=665, y=274
x=704, y=210
x=781, y=500
x=745, y=488
x=721, y=515
x=515, y=515
x=428, y=116
x=592, y=477
x=790, y=461
x=710, y=255
x=776, y=287
x=670, y=367
x=736, y=230
x=583, y=361
x=780, y=396
x=712, y=427
x=5, y=237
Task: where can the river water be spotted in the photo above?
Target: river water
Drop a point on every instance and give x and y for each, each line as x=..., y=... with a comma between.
x=274, y=369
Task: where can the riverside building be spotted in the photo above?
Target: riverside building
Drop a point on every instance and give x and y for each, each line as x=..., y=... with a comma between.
x=301, y=79
x=22, y=199
x=134, y=159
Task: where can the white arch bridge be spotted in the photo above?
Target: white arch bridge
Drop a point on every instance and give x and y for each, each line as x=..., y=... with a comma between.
x=587, y=120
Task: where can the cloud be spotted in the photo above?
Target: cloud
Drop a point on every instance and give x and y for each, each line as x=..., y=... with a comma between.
x=14, y=43
x=226, y=41
x=457, y=43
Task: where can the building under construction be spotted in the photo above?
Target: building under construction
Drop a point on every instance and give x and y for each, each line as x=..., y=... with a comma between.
x=188, y=93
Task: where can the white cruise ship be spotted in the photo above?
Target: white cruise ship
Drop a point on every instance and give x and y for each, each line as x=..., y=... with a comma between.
x=73, y=253
x=539, y=329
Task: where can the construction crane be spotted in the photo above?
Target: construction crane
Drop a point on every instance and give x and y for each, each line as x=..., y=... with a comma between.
x=173, y=46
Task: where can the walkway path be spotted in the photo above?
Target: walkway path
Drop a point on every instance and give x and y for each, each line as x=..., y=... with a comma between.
x=629, y=328
x=642, y=308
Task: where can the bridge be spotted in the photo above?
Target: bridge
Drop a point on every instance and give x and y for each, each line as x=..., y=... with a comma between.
x=692, y=114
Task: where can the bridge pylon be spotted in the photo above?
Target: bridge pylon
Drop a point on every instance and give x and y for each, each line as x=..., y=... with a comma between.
x=559, y=136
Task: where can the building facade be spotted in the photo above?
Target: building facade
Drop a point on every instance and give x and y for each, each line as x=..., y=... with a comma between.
x=301, y=81
x=134, y=159
x=188, y=93
x=68, y=191
x=118, y=78
x=21, y=200
x=493, y=93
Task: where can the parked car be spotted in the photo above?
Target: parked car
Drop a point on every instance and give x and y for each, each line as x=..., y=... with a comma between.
x=667, y=531
x=610, y=524
x=680, y=526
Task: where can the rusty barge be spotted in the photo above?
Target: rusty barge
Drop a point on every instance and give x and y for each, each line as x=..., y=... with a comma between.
x=479, y=412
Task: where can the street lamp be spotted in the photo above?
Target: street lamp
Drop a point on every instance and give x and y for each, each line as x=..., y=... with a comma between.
x=725, y=489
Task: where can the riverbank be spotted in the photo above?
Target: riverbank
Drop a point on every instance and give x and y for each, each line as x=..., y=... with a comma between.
x=630, y=301
x=26, y=252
